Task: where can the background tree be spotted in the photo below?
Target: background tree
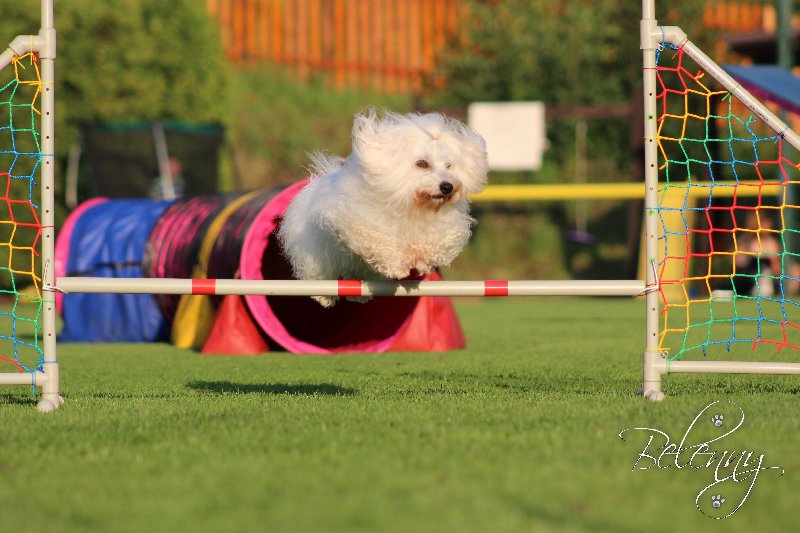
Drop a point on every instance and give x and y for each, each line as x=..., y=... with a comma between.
x=573, y=53
x=565, y=54
x=129, y=60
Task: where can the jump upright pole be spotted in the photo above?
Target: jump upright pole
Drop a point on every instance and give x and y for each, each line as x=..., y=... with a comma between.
x=651, y=381
x=51, y=398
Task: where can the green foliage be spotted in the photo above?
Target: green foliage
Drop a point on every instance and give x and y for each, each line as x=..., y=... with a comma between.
x=128, y=60
x=117, y=61
x=512, y=243
x=562, y=53
x=558, y=52
x=566, y=54
x=275, y=121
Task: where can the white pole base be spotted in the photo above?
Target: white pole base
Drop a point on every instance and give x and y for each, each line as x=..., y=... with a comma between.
x=652, y=394
x=50, y=403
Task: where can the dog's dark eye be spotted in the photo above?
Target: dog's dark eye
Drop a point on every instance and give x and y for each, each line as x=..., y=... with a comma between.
x=423, y=164
x=448, y=165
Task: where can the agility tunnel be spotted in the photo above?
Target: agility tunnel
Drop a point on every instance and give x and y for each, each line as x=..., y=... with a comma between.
x=224, y=237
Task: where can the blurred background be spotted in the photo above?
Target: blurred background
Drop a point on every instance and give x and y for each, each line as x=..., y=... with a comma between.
x=229, y=95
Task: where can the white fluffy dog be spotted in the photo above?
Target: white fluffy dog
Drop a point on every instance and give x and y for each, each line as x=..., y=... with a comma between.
x=396, y=205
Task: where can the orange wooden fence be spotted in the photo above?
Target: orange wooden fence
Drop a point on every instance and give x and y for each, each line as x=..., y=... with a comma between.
x=732, y=15
x=385, y=45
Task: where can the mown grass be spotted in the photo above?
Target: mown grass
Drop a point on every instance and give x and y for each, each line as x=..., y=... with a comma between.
x=519, y=432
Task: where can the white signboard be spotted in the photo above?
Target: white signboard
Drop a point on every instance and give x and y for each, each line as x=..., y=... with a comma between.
x=514, y=133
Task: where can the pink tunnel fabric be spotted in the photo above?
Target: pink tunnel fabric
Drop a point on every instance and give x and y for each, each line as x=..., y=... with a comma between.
x=301, y=325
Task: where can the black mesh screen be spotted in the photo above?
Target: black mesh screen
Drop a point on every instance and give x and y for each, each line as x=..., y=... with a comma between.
x=122, y=160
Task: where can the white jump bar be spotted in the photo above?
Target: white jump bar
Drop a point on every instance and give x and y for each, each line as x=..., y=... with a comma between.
x=24, y=378
x=351, y=288
x=728, y=367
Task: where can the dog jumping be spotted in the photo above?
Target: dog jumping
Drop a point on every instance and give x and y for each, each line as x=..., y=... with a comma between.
x=396, y=207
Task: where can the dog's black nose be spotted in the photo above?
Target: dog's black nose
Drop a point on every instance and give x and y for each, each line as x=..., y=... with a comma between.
x=446, y=187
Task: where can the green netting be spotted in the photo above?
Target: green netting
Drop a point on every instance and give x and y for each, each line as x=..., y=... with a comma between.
x=729, y=256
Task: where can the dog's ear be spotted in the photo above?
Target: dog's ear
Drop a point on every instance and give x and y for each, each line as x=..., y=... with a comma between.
x=380, y=141
x=365, y=127
x=475, y=161
x=370, y=140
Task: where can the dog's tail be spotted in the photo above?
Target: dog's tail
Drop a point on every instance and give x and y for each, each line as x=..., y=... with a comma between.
x=323, y=163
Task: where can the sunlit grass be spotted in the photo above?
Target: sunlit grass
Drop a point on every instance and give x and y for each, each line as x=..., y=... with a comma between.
x=519, y=432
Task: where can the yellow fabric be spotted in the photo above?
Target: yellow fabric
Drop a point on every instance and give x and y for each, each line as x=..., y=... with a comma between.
x=195, y=314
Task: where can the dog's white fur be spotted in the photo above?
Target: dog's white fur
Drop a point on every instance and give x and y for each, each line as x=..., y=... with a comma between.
x=385, y=210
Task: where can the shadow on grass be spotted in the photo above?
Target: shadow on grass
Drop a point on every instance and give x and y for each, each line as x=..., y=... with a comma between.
x=573, y=384
x=574, y=512
x=519, y=383
x=30, y=399
x=309, y=389
x=727, y=385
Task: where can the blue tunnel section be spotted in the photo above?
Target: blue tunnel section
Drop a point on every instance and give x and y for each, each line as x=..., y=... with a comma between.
x=109, y=240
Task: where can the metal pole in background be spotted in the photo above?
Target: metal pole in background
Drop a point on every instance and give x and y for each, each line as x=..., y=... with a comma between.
x=785, y=37
x=785, y=52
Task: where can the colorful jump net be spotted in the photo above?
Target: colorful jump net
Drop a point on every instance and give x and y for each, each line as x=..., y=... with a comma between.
x=729, y=215
x=20, y=229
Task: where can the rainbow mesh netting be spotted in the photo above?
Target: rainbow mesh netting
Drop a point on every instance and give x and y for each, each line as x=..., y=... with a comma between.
x=728, y=267
x=20, y=230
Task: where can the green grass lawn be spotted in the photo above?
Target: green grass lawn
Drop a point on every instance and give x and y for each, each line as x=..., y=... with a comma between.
x=519, y=432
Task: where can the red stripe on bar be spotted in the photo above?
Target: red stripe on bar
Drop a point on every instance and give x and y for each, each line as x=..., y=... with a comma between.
x=204, y=286
x=348, y=287
x=493, y=287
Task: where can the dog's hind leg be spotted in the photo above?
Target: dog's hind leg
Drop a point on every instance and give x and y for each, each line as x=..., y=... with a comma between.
x=326, y=301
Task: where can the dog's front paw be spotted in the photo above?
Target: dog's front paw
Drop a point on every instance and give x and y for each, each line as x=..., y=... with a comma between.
x=398, y=274
x=326, y=301
x=393, y=271
x=423, y=269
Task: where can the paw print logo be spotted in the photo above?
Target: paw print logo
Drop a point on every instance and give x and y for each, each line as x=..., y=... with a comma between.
x=717, y=501
x=717, y=420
